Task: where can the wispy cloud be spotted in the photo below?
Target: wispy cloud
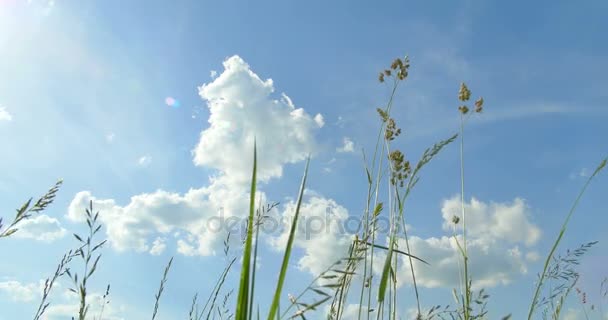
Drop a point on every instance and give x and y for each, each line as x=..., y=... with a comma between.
x=348, y=146
x=4, y=115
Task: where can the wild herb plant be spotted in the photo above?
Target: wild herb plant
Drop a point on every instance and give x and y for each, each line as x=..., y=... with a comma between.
x=544, y=274
x=27, y=209
x=62, y=269
x=86, y=252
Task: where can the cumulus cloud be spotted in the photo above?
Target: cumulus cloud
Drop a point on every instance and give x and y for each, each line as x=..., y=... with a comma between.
x=242, y=107
x=41, y=228
x=493, y=221
x=4, y=115
x=347, y=146
x=497, y=235
x=19, y=292
x=499, y=240
x=131, y=227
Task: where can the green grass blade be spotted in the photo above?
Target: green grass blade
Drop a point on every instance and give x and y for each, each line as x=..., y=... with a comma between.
x=242, y=303
x=385, y=273
x=277, y=293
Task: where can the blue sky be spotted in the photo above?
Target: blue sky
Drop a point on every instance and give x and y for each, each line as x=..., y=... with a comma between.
x=83, y=97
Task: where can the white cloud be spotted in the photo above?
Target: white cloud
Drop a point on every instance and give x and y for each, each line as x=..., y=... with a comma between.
x=493, y=221
x=497, y=236
x=20, y=292
x=241, y=108
x=319, y=120
x=4, y=115
x=41, y=228
x=213, y=74
x=144, y=161
x=158, y=246
x=348, y=146
x=110, y=137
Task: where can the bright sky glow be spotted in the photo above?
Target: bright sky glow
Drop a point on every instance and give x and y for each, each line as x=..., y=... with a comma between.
x=150, y=109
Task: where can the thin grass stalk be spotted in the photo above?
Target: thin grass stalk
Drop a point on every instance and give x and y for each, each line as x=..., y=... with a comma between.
x=219, y=287
x=216, y=289
x=193, y=308
x=364, y=234
x=277, y=293
x=255, y=260
x=321, y=275
x=559, y=237
x=161, y=288
x=375, y=157
x=464, y=224
x=49, y=283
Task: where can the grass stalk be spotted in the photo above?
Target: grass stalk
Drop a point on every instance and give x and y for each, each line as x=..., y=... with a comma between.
x=559, y=238
x=161, y=288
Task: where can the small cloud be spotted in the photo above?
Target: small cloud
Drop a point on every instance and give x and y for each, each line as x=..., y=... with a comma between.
x=144, y=161
x=349, y=146
x=158, y=246
x=110, y=137
x=19, y=292
x=319, y=120
x=41, y=228
x=327, y=170
x=4, y=115
x=213, y=74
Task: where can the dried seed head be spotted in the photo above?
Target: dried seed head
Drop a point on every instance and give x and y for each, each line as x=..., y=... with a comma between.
x=387, y=72
x=455, y=219
x=464, y=94
x=463, y=109
x=392, y=131
x=479, y=105
x=382, y=114
x=397, y=63
x=403, y=69
x=401, y=168
x=381, y=77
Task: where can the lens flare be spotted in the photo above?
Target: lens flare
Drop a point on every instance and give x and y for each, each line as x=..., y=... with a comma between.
x=171, y=102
